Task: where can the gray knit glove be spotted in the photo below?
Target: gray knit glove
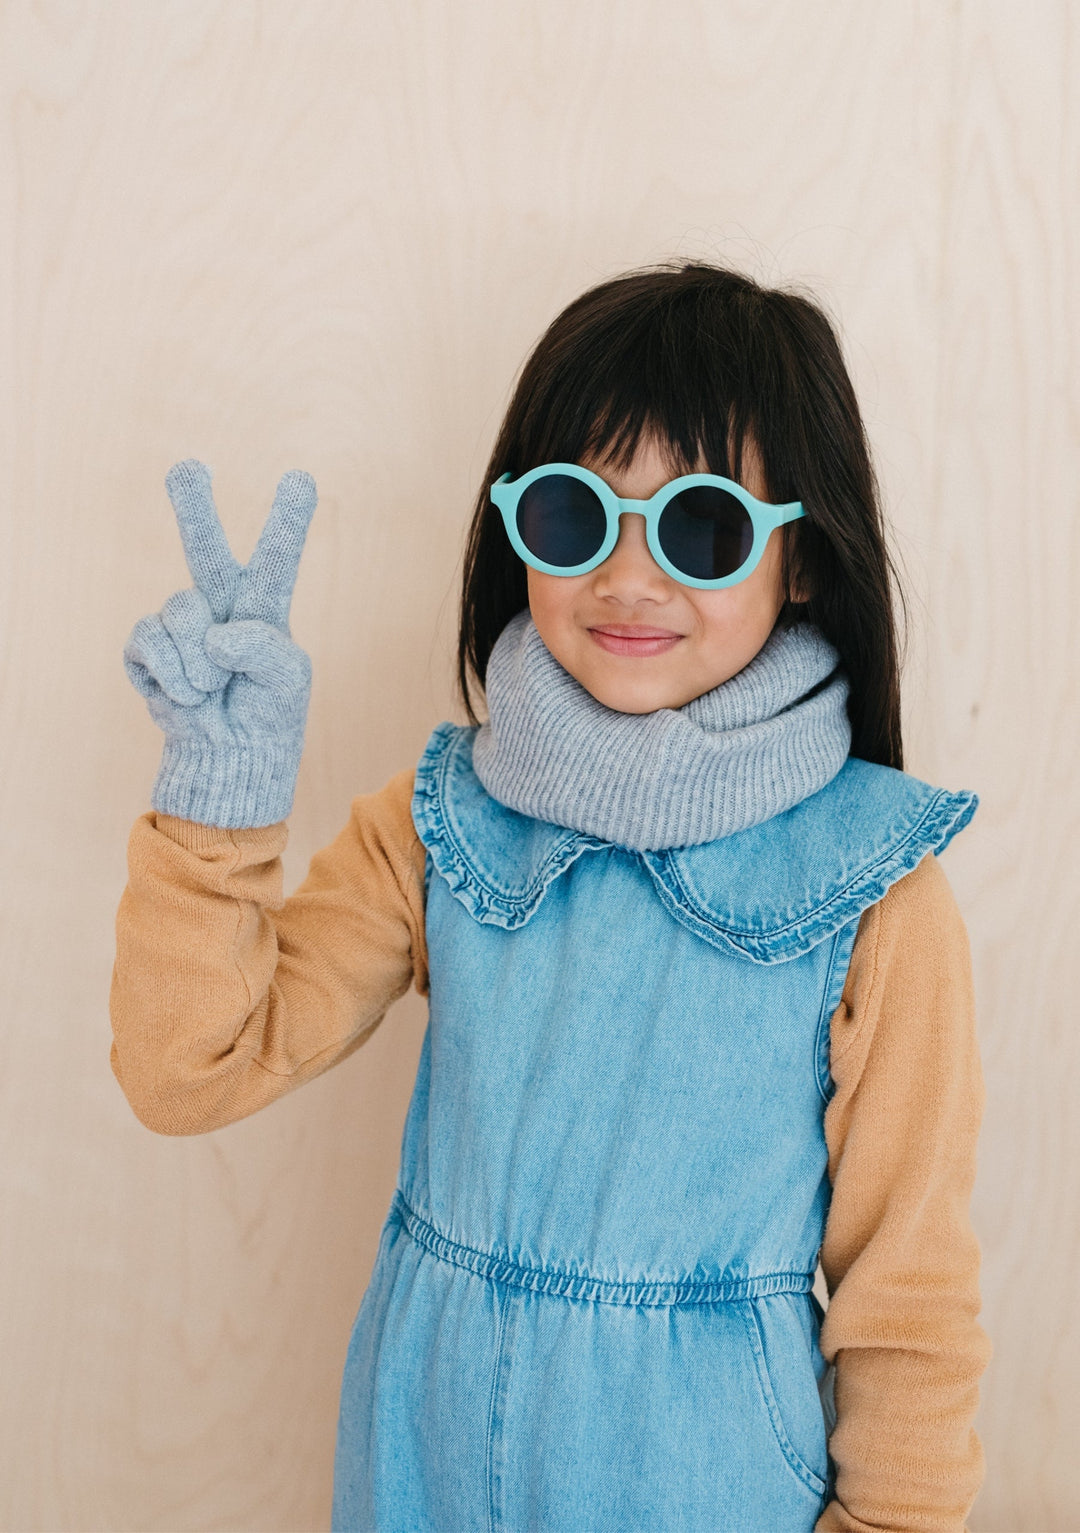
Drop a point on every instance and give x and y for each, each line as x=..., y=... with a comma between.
x=219, y=671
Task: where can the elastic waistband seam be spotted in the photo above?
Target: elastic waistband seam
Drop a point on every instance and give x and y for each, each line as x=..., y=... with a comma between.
x=568, y=1285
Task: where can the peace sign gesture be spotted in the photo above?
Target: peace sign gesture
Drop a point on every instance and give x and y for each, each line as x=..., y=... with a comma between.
x=218, y=668
x=263, y=587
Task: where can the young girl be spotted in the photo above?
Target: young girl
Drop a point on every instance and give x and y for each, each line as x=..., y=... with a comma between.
x=700, y=995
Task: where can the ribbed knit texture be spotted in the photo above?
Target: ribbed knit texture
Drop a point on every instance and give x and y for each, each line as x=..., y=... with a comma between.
x=733, y=757
x=245, y=787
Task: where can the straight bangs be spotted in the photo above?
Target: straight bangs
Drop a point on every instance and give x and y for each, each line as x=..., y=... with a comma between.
x=667, y=370
x=709, y=364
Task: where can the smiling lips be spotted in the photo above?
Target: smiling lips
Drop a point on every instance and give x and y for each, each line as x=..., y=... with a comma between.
x=634, y=639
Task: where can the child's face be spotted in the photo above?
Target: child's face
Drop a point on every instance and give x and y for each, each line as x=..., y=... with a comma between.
x=589, y=622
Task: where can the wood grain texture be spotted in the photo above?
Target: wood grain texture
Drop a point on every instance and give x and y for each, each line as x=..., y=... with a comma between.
x=325, y=236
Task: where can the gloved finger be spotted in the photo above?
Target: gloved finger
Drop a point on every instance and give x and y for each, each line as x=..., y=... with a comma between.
x=267, y=581
x=261, y=652
x=151, y=655
x=209, y=558
x=186, y=616
x=138, y=674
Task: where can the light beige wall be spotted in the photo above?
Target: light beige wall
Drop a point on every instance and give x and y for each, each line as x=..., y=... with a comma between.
x=324, y=236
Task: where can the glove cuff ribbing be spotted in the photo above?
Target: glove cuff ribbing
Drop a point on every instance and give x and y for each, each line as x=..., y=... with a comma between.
x=238, y=788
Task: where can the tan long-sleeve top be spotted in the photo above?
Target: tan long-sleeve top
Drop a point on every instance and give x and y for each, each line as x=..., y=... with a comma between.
x=225, y=995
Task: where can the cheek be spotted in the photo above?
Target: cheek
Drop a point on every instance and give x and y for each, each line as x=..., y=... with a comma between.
x=551, y=598
x=749, y=608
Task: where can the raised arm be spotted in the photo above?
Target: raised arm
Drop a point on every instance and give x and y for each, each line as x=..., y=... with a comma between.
x=900, y=1257
x=225, y=996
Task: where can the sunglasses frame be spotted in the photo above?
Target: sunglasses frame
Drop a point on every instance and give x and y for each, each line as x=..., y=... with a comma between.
x=765, y=518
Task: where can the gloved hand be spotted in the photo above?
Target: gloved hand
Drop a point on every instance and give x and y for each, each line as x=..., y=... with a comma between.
x=217, y=666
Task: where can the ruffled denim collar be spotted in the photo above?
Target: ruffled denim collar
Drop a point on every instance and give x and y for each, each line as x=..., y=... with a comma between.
x=769, y=893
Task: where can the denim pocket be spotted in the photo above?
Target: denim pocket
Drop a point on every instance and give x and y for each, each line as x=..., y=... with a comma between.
x=782, y=1342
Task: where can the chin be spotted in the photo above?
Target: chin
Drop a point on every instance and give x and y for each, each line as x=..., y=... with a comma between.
x=626, y=699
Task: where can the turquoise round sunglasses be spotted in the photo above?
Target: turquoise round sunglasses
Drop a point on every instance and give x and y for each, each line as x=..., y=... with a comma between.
x=704, y=530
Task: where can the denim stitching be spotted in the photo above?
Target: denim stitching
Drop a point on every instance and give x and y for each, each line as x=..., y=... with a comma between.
x=820, y=1065
x=808, y=1476
x=502, y=1300
x=835, y=978
x=936, y=812
x=942, y=819
x=551, y=1280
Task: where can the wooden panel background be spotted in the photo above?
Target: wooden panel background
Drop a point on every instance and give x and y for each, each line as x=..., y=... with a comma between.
x=325, y=236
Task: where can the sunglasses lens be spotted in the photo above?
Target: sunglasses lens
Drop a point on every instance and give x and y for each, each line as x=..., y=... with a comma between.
x=561, y=520
x=705, y=532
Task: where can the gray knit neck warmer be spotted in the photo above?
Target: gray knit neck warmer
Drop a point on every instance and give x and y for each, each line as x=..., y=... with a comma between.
x=747, y=750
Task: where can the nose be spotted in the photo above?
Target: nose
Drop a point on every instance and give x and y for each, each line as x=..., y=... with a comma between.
x=630, y=572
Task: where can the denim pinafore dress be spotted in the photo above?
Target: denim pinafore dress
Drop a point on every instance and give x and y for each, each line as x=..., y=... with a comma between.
x=591, y=1308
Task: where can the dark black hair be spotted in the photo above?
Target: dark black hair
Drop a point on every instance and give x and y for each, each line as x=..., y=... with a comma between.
x=707, y=359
